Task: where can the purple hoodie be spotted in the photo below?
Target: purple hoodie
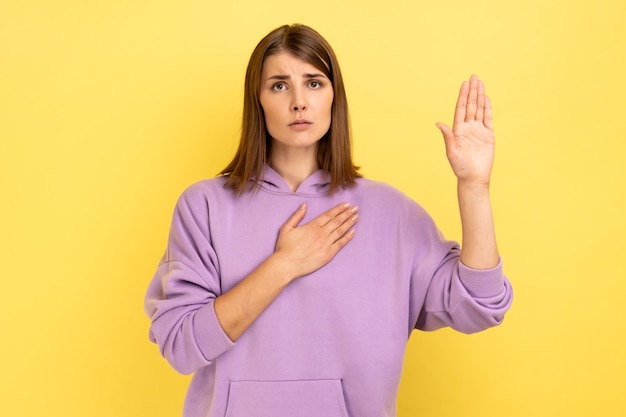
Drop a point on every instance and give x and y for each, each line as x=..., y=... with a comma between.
x=332, y=343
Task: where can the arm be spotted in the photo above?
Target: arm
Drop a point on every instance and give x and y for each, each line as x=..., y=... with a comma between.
x=470, y=150
x=300, y=250
x=189, y=324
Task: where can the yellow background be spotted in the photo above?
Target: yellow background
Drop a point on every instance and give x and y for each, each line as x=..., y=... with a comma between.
x=109, y=109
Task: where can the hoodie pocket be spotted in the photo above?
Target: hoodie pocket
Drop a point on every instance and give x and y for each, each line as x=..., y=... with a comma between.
x=311, y=398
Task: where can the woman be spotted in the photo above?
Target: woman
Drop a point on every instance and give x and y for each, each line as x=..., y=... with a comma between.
x=290, y=284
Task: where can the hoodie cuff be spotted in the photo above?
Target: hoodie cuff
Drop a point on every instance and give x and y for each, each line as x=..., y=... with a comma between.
x=483, y=283
x=210, y=337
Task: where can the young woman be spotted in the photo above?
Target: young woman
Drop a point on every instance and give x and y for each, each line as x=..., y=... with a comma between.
x=290, y=284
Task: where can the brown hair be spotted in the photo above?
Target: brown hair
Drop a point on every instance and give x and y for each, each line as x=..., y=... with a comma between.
x=334, y=154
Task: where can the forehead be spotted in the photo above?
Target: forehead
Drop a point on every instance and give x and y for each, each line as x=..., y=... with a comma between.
x=285, y=63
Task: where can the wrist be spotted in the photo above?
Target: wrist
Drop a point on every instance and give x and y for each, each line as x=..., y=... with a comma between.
x=474, y=186
x=284, y=273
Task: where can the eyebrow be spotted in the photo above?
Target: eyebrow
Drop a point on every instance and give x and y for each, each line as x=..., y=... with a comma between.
x=287, y=77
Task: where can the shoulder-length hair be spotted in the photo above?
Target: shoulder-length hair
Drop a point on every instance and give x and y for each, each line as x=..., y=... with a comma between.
x=334, y=153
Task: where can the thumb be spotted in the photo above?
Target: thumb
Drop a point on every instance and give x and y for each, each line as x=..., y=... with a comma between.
x=295, y=219
x=448, y=134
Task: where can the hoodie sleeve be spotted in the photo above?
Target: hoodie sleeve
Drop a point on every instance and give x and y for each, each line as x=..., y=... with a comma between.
x=180, y=297
x=456, y=296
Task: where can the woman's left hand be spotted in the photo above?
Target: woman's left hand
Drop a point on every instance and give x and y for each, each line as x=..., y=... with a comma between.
x=471, y=141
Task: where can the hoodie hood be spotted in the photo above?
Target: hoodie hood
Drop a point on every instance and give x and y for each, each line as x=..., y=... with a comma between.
x=316, y=184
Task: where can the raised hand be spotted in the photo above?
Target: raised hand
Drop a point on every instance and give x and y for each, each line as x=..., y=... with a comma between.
x=470, y=142
x=308, y=247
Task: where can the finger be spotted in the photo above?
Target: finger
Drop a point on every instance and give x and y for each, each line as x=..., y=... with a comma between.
x=344, y=223
x=471, y=99
x=480, y=101
x=342, y=241
x=329, y=215
x=461, y=104
x=334, y=225
x=295, y=219
x=448, y=134
x=488, y=121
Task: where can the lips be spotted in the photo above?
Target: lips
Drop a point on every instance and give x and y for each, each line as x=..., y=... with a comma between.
x=300, y=122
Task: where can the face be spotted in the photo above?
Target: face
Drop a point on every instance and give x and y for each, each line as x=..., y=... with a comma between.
x=297, y=99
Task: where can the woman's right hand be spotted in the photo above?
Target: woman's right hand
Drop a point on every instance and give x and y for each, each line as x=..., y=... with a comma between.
x=307, y=248
x=300, y=250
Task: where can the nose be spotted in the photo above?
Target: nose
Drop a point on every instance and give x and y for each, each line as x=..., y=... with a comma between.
x=298, y=100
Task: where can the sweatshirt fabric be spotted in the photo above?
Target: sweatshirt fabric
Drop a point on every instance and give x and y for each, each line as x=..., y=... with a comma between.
x=332, y=343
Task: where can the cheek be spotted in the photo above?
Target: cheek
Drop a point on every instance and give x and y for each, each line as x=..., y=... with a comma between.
x=272, y=119
x=269, y=113
x=329, y=101
x=329, y=106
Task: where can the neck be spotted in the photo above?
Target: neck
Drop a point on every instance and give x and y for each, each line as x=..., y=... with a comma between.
x=293, y=167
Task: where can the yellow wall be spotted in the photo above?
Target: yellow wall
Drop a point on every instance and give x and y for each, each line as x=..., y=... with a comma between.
x=108, y=109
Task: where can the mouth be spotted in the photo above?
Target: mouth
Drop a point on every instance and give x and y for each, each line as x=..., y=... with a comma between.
x=300, y=122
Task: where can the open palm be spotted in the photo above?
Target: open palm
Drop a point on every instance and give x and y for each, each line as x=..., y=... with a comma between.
x=470, y=142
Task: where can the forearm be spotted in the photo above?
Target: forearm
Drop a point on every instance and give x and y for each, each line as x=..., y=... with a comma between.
x=238, y=308
x=300, y=250
x=478, y=249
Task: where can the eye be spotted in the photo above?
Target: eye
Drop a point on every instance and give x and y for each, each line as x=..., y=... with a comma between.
x=315, y=84
x=279, y=87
